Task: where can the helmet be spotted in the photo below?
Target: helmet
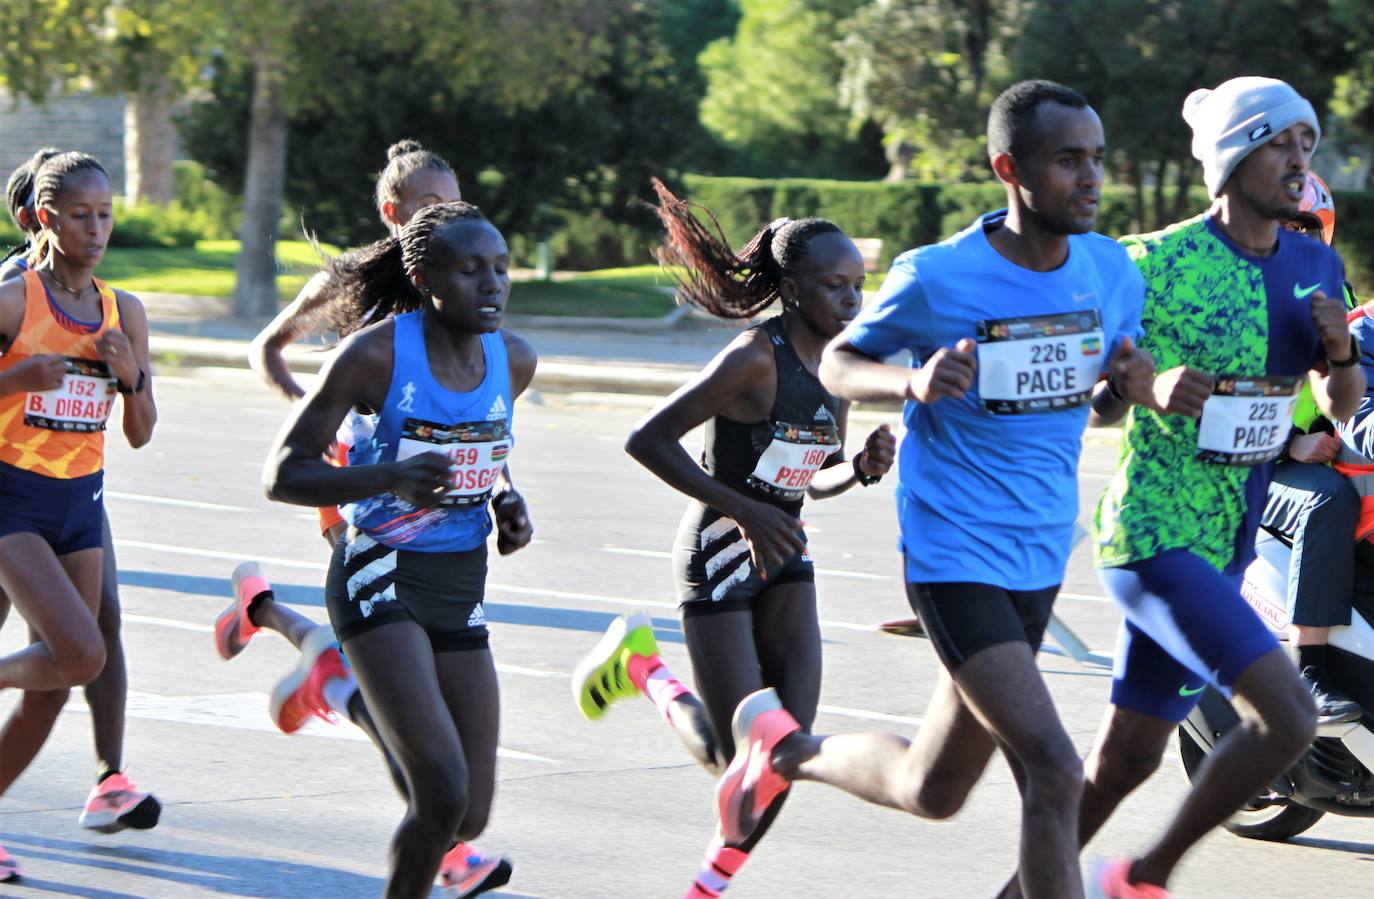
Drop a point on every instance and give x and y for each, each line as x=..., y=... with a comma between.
x=1317, y=210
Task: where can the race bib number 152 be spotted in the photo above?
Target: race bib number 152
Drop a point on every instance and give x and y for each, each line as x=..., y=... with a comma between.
x=82, y=403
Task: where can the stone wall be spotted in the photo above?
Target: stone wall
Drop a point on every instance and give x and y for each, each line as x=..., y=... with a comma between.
x=86, y=122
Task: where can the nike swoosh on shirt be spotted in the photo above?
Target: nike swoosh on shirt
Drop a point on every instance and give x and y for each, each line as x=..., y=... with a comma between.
x=1184, y=691
x=1300, y=293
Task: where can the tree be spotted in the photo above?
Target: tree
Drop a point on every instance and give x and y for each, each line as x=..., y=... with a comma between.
x=150, y=50
x=772, y=88
x=598, y=140
x=927, y=70
x=1136, y=61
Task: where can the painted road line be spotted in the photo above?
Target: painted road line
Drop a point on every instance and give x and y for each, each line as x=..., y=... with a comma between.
x=220, y=554
x=246, y=711
x=176, y=624
x=846, y=712
x=663, y=554
x=169, y=501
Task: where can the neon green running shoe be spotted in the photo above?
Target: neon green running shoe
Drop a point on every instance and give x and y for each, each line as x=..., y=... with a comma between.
x=602, y=676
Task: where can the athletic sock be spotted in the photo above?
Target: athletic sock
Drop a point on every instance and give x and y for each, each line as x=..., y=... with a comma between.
x=718, y=867
x=1312, y=655
x=338, y=693
x=109, y=772
x=652, y=678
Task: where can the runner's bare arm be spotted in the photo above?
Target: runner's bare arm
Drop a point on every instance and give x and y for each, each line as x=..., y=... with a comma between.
x=140, y=410
x=740, y=382
x=874, y=460
x=37, y=373
x=522, y=360
x=299, y=319
x=358, y=374
x=1339, y=385
x=853, y=375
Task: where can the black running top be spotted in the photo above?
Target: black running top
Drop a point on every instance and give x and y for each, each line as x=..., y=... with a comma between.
x=775, y=459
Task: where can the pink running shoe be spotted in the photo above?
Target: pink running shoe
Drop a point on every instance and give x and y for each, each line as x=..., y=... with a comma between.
x=9, y=868
x=749, y=785
x=466, y=872
x=116, y=803
x=1109, y=880
x=233, y=627
x=300, y=694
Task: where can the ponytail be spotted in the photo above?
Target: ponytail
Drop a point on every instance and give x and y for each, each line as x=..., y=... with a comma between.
x=718, y=280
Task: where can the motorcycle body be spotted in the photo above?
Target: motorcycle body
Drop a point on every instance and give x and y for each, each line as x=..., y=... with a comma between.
x=1337, y=774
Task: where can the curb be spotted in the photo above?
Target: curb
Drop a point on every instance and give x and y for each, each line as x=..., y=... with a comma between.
x=555, y=373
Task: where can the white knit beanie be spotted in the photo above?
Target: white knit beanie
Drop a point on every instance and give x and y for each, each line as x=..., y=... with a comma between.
x=1240, y=115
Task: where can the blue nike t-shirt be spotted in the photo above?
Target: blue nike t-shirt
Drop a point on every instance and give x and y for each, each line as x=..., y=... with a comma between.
x=988, y=487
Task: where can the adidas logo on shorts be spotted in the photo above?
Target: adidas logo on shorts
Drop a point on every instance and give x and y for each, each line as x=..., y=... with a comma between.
x=497, y=412
x=478, y=618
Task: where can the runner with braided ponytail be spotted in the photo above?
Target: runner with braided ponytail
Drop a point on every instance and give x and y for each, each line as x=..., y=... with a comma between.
x=774, y=436
x=405, y=586
x=19, y=200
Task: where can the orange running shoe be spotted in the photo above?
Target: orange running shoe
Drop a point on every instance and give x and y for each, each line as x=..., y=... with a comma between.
x=116, y=803
x=233, y=627
x=300, y=694
x=9, y=868
x=1111, y=880
x=749, y=785
x=467, y=872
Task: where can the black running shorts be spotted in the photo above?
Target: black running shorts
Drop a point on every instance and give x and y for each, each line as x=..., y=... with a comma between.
x=963, y=619
x=371, y=584
x=713, y=569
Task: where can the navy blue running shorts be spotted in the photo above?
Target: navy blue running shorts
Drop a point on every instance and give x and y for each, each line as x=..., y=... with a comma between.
x=1186, y=625
x=68, y=513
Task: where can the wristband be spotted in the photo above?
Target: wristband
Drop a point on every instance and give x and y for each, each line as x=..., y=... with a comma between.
x=1116, y=394
x=137, y=388
x=1354, y=355
x=866, y=480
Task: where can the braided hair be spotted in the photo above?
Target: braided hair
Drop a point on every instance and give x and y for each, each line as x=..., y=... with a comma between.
x=374, y=282
x=18, y=191
x=722, y=282
x=403, y=159
x=49, y=180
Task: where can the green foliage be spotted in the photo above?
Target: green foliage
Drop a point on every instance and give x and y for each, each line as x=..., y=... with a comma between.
x=585, y=153
x=927, y=70
x=905, y=214
x=772, y=91
x=194, y=190
x=1355, y=238
x=151, y=226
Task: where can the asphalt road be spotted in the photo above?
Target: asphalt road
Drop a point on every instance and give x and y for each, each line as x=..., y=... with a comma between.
x=613, y=809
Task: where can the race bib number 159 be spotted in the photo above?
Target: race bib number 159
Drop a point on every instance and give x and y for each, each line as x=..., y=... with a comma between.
x=478, y=451
x=1041, y=363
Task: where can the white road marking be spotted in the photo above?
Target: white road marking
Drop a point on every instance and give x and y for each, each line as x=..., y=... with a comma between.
x=177, y=624
x=663, y=554
x=220, y=554
x=169, y=501
x=846, y=712
x=1085, y=597
x=245, y=711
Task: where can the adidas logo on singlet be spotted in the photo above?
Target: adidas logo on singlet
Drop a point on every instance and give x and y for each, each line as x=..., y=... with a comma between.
x=497, y=412
x=823, y=414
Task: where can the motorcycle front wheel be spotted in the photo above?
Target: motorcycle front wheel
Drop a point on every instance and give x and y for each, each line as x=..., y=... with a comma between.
x=1266, y=817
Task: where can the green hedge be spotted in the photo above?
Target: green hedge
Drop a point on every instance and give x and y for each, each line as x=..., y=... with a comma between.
x=907, y=214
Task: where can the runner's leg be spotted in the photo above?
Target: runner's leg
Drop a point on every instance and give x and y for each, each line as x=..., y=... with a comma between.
x=107, y=694
x=51, y=600
x=396, y=668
